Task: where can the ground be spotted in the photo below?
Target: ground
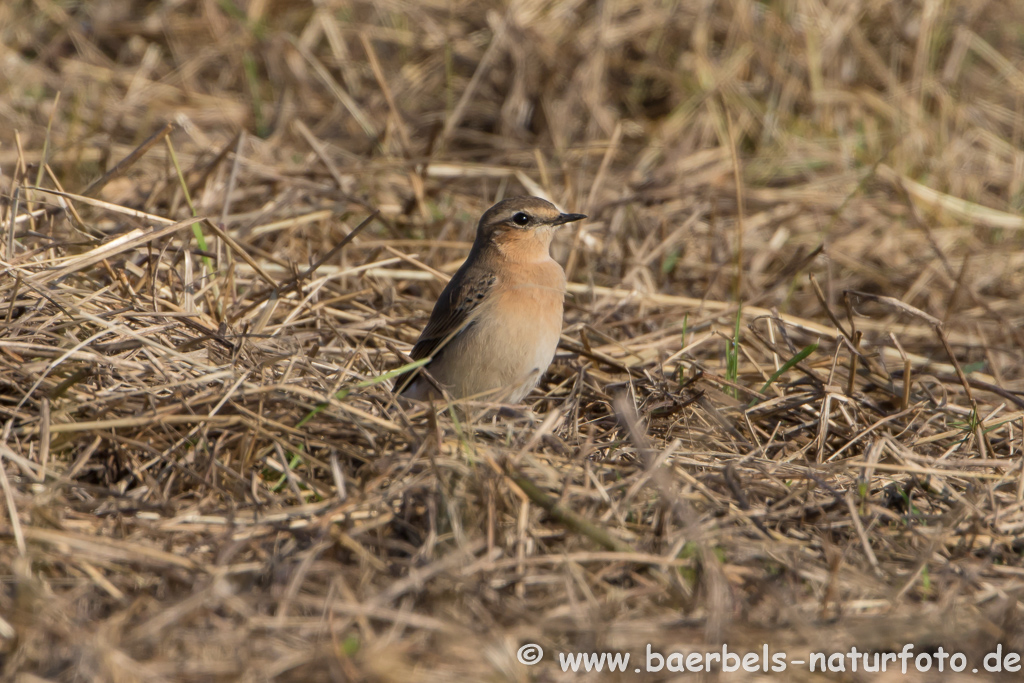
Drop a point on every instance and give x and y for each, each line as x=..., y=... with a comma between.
x=786, y=414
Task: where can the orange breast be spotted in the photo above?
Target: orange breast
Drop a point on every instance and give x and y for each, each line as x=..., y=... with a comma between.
x=512, y=341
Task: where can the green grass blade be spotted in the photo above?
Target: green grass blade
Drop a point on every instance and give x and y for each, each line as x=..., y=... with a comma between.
x=345, y=391
x=800, y=355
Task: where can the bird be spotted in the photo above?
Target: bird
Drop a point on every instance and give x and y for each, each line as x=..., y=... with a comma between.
x=494, y=329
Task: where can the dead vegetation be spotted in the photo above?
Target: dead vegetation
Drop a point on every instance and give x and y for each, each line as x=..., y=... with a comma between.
x=206, y=478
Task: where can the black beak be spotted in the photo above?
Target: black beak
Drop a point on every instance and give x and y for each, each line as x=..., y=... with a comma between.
x=568, y=218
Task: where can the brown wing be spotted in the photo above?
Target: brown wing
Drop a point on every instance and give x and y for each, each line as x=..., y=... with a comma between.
x=454, y=312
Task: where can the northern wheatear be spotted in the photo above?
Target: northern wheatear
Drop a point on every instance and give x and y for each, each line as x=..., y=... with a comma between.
x=495, y=327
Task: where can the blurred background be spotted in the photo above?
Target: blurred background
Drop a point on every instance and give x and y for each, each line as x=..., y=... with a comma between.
x=430, y=111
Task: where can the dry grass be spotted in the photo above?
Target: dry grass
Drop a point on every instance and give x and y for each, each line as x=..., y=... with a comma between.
x=206, y=479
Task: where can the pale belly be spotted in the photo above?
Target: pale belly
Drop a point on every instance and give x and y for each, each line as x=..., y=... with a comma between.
x=508, y=348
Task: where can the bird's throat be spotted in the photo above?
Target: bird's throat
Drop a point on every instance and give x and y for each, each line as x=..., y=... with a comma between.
x=532, y=247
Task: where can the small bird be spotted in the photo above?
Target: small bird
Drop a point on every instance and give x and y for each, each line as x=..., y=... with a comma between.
x=495, y=327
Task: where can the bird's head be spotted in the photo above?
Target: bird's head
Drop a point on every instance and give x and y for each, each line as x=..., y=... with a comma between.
x=521, y=227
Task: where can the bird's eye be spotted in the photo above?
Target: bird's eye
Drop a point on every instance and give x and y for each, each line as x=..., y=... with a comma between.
x=520, y=218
